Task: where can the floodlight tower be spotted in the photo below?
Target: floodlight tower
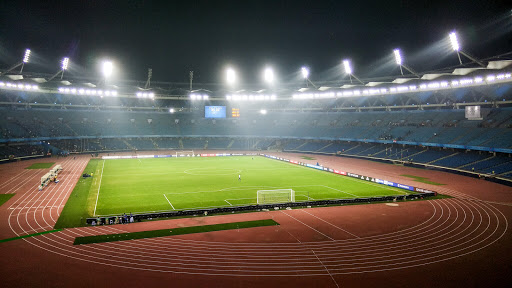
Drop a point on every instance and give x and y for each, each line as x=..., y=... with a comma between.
x=348, y=70
x=26, y=57
x=456, y=47
x=64, y=67
x=305, y=75
x=399, y=62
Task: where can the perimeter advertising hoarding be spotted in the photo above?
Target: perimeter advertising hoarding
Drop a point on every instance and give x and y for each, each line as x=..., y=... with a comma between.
x=354, y=175
x=214, y=111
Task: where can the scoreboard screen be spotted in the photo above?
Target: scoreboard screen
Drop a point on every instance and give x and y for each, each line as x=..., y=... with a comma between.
x=235, y=112
x=214, y=111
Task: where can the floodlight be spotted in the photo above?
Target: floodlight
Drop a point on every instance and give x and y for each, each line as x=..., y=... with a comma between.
x=399, y=62
x=230, y=76
x=454, y=41
x=398, y=57
x=268, y=75
x=263, y=111
x=305, y=72
x=107, y=68
x=346, y=64
x=27, y=56
x=456, y=47
x=65, y=63
x=171, y=110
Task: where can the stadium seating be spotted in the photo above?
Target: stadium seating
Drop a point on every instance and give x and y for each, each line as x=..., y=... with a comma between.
x=7, y=151
x=460, y=159
x=369, y=134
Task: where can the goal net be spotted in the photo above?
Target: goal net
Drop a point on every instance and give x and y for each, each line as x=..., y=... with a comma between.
x=275, y=196
x=185, y=154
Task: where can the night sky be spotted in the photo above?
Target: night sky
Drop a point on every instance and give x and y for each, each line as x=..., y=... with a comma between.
x=173, y=37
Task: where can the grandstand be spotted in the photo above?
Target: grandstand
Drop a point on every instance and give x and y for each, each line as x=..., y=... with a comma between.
x=438, y=137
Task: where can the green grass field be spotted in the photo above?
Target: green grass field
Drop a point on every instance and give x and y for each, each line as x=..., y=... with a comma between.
x=40, y=165
x=5, y=197
x=147, y=185
x=422, y=180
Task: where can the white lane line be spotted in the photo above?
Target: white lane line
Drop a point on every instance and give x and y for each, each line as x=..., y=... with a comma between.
x=99, y=186
x=329, y=223
x=306, y=225
x=326, y=269
x=169, y=202
x=499, y=203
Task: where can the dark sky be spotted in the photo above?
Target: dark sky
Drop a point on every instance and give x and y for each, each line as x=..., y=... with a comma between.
x=173, y=37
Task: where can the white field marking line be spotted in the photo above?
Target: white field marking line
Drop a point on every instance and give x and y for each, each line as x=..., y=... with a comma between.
x=14, y=178
x=498, y=203
x=306, y=225
x=233, y=172
x=302, y=210
x=154, y=211
x=98, y=195
x=339, y=190
x=234, y=188
x=294, y=236
x=21, y=183
x=36, y=229
x=228, y=202
x=376, y=185
x=169, y=202
x=354, y=179
x=325, y=268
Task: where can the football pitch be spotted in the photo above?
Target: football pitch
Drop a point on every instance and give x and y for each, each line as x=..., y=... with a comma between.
x=186, y=183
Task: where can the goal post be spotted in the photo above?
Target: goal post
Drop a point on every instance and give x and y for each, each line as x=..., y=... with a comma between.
x=185, y=153
x=275, y=196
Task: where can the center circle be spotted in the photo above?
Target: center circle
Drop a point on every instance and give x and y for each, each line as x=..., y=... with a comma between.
x=214, y=172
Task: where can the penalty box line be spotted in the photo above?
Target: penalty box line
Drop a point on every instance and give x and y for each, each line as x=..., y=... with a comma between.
x=169, y=202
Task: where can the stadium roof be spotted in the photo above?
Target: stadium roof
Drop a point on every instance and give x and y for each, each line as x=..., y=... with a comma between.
x=496, y=72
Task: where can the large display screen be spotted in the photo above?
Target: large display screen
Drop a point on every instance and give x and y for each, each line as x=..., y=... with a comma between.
x=214, y=111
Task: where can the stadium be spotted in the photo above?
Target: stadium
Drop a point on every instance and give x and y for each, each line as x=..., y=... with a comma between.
x=396, y=180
